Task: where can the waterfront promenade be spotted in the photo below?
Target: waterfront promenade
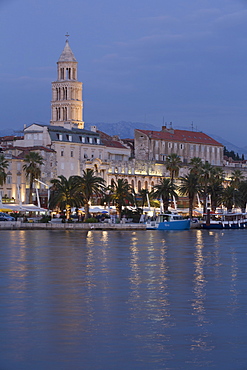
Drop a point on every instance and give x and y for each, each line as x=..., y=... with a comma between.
x=19, y=225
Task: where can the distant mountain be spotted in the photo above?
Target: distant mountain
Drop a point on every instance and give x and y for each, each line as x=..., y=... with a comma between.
x=7, y=132
x=125, y=130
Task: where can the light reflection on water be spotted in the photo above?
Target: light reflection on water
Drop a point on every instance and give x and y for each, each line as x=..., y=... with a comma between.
x=123, y=300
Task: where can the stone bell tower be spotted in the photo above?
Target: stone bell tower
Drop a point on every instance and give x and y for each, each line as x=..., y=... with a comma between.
x=67, y=104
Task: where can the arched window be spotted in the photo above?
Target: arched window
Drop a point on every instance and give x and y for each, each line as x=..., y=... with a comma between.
x=68, y=73
x=139, y=186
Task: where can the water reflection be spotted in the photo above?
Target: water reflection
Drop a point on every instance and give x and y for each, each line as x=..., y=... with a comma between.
x=199, y=280
x=234, y=290
x=107, y=300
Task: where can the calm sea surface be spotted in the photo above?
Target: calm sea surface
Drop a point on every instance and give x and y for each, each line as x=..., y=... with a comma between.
x=111, y=300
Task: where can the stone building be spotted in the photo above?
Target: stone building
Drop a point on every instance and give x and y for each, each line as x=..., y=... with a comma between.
x=157, y=145
x=67, y=148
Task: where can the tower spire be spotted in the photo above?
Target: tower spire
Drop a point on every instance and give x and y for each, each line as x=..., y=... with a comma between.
x=67, y=104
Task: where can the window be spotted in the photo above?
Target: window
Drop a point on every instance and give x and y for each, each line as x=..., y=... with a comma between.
x=69, y=137
x=169, y=145
x=118, y=157
x=62, y=153
x=72, y=153
x=9, y=179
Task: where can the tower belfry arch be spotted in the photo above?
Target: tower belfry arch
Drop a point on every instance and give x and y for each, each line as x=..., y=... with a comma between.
x=67, y=103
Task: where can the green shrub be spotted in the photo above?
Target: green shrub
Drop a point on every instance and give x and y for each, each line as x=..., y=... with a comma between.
x=91, y=220
x=45, y=219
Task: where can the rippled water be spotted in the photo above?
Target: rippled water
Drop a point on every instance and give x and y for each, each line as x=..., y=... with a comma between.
x=109, y=300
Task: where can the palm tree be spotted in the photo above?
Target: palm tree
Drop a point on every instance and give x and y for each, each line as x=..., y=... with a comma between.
x=90, y=185
x=4, y=164
x=173, y=164
x=236, y=177
x=33, y=161
x=204, y=177
x=190, y=187
x=196, y=165
x=215, y=187
x=230, y=197
x=65, y=194
x=243, y=195
x=121, y=194
x=165, y=190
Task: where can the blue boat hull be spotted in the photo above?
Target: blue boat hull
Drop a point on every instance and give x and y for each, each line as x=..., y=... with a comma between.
x=172, y=225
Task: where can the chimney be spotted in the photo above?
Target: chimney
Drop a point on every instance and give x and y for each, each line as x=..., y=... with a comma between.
x=93, y=128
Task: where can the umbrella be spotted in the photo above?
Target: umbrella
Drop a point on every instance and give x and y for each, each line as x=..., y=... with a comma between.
x=97, y=210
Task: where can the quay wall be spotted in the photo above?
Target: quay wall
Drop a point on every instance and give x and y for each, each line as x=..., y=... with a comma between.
x=18, y=225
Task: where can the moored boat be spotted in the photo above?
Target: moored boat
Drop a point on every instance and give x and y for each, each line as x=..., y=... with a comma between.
x=228, y=220
x=168, y=221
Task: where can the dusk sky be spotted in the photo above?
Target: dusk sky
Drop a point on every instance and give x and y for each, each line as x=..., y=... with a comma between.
x=140, y=61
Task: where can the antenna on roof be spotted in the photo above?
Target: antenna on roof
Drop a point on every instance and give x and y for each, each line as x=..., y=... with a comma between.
x=192, y=126
x=171, y=124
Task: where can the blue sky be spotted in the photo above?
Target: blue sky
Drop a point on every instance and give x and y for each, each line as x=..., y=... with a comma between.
x=139, y=61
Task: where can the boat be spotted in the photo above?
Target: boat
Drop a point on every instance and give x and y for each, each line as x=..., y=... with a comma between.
x=168, y=221
x=227, y=220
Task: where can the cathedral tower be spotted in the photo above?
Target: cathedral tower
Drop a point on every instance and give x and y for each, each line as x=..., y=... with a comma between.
x=67, y=104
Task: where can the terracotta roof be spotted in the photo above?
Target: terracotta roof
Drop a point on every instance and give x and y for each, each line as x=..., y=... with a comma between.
x=10, y=138
x=108, y=141
x=26, y=150
x=181, y=136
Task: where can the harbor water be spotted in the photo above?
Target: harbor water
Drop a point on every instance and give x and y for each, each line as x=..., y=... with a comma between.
x=118, y=300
